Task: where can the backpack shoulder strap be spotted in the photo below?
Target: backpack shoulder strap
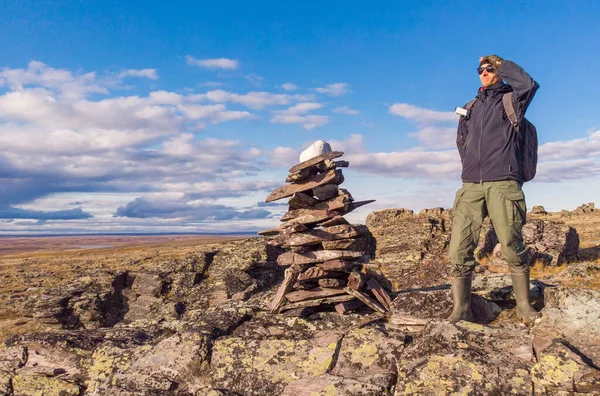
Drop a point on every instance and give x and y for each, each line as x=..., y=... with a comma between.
x=510, y=110
x=470, y=104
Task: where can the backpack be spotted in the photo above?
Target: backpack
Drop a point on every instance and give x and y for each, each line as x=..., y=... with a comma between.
x=527, y=133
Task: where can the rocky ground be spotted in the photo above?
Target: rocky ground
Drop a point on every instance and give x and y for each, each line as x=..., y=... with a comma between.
x=194, y=319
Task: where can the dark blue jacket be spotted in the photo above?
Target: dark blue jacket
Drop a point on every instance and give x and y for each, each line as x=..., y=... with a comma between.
x=487, y=142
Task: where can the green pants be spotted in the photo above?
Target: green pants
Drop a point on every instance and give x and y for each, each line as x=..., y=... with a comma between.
x=504, y=202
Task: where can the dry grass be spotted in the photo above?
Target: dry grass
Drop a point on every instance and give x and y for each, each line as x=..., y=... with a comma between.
x=592, y=282
x=75, y=245
x=539, y=270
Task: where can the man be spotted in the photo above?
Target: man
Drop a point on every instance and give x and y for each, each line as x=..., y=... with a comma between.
x=489, y=148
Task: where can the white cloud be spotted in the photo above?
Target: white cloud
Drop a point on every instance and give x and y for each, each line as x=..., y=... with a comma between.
x=572, y=149
x=409, y=164
x=307, y=121
x=297, y=115
x=354, y=144
x=556, y=171
x=165, y=98
x=59, y=81
x=218, y=63
x=302, y=108
x=436, y=137
x=180, y=145
x=214, y=113
x=253, y=100
x=422, y=115
x=284, y=156
x=337, y=89
x=145, y=73
x=344, y=110
x=289, y=86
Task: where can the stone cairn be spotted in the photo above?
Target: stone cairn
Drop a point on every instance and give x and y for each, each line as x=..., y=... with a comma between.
x=326, y=256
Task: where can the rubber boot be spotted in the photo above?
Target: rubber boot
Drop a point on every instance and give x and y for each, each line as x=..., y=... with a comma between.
x=521, y=288
x=461, y=298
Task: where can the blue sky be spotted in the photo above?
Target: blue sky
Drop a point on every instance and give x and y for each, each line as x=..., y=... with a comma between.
x=181, y=117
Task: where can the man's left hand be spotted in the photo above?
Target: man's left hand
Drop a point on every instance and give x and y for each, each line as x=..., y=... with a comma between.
x=493, y=60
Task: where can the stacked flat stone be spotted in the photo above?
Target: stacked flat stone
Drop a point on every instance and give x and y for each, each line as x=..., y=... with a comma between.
x=326, y=255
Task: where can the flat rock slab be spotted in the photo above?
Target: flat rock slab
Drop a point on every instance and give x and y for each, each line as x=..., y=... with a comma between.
x=42, y=385
x=285, y=229
x=467, y=358
x=567, y=341
x=337, y=265
x=307, y=216
x=317, y=301
x=327, y=384
x=368, y=351
x=310, y=220
x=174, y=361
x=302, y=175
x=356, y=245
x=290, y=276
x=333, y=176
x=315, y=160
x=265, y=367
x=337, y=220
x=315, y=236
x=313, y=293
x=318, y=273
x=319, y=256
x=341, y=201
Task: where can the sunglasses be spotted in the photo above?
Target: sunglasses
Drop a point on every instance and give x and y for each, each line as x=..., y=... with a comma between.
x=490, y=69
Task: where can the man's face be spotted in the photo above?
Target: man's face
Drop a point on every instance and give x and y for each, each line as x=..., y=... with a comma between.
x=488, y=76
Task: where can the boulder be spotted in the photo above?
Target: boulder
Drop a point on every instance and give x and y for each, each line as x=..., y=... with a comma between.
x=551, y=242
x=411, y=249
x=584, y=209
x=314, y=150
